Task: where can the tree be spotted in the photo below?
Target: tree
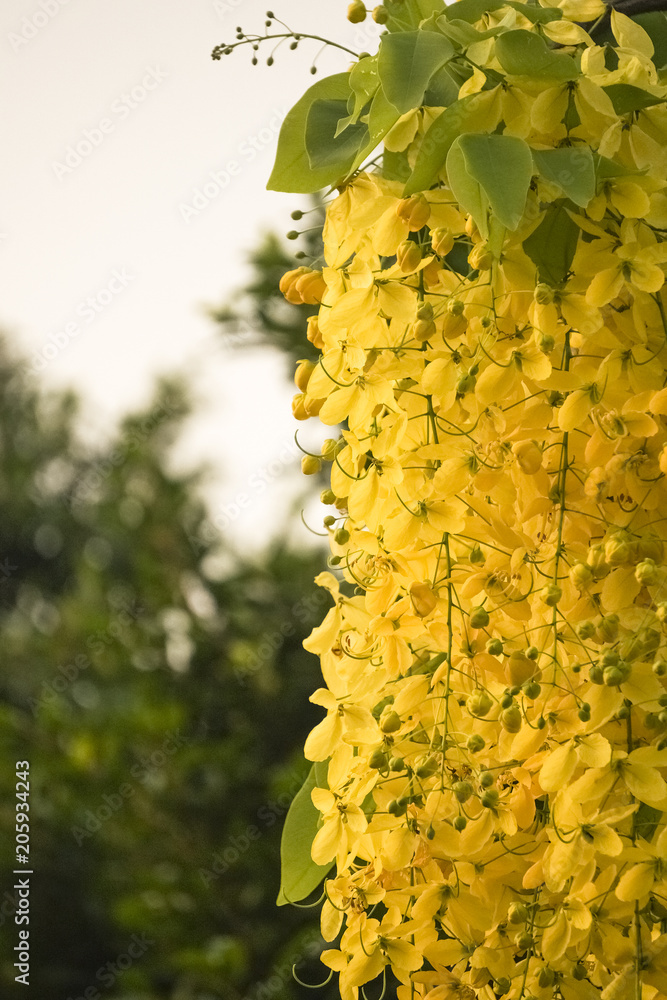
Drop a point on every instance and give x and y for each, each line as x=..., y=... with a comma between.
x=161, y=704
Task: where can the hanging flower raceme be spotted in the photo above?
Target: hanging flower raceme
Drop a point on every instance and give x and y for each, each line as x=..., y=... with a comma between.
x=489, y=777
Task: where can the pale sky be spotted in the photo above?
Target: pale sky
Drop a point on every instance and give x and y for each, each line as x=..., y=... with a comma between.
x=134, y=177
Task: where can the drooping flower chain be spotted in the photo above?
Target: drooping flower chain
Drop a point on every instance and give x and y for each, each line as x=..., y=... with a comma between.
x=495, y=661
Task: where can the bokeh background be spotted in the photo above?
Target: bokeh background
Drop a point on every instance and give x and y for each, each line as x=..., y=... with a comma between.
x=157, y=540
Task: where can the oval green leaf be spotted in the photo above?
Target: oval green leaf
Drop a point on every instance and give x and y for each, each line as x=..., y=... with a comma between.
x=524, y=53
x=552, y=246
x=292, y=170
x=627, y=98
x=407, y=60
x=436, y=144
x=326, y=150
x=571, y=168
x=490, y=172
x=299, y=875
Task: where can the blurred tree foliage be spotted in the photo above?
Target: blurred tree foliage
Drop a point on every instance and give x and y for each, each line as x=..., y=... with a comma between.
x=259, y=315
x=159, y=689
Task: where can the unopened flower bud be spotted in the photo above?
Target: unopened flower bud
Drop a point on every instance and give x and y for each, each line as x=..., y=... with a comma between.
x=423, y=330
x=380, y=15
x=551, y=594
x=462, y=790
x=479, y=703
x=390, y=721
x=298, y=408
x=442, y=241
x=480, y=257
x=302, y=374
x=586, y=630
x=327, y=497
x=646, y=572
x=620, y=548
x=356, y=12
x=494, y=647
x=595, y=558
x=581, y=575
x=329, y=449
x=341, y=536
x=479, y=618
x=414, y=210
x=313, y=333
x=475, y=743
x=425, y=311
x=517, y=913
x=310, y=465
x=310, y=287
x=287, y=284
x=545, y=341
x=408, y=256
x=455, y=307
x=608, y=628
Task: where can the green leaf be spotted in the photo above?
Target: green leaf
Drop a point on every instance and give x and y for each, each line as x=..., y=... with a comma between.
x=292, y=170
x=655, y=25
x=471, y=10
x=406, y=63
x=490, y=172
x=442, y=90
x=299, y=874
x=571, y=168
x=605, y=168
x=626, y=98
x=410, y=13
x=364, y=81
x=381, y=117
x=524, y=53
x=538, y=15
x=325, y=150
x=646, y=821
x=553, y=244
x=395, y=166
x=436, y=145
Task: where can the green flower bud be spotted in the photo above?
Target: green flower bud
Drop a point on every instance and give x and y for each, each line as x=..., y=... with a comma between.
x=475, y=743
x=356, y=12
x=486, y=779
x=586, y=630
x=608, y=628
x=378, y=760
x=490, y=798
x=511, y=719
x=397, y=764
x=341, y=536
x=428, y=768
x=390, y=721
x=327, y=497
x=463, y=790
x=380, y=15
x=551, y=594
x=460, y=823
x=494, y=647
x=479, y=703
x=479, y=618
x=311, y=465
x=517, y=913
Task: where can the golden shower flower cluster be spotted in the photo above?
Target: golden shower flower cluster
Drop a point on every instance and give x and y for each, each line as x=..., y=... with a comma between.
x=491, y=798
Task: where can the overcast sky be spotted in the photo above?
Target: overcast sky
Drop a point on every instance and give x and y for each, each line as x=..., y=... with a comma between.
x=134, y=177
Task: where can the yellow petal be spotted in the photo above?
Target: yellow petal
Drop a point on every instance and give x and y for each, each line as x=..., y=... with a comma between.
x=636, y=882
x=558, y=768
